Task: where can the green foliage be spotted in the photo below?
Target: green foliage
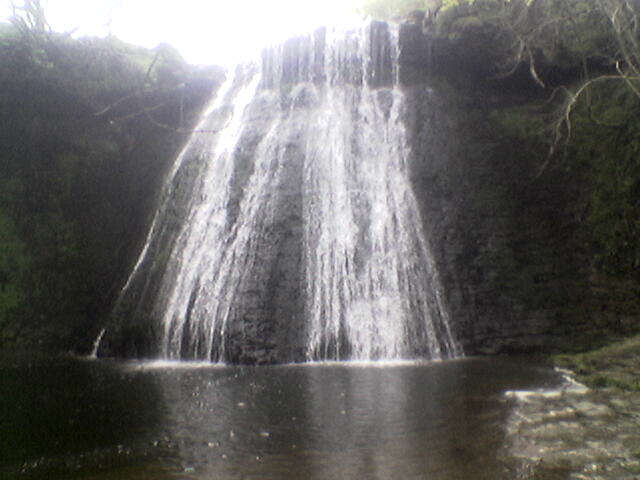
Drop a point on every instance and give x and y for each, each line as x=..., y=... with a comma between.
x=607, y=140
x=14, y=266
x=399, y=9
x=389, y=9
x=521, y=122
x=612, y=366
x=87, y=128
x=547, y=32
x=599, y=121
x=547, y=36
x=604, y=150
x=604, y=381
x=7, y=31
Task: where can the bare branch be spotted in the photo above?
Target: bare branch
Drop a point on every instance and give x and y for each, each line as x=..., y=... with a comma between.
x=516, y=62
x=532, y=68
x=628, y=79
x=564, y=120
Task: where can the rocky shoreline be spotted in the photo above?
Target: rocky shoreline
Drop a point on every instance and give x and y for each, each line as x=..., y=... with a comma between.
x=576, y=432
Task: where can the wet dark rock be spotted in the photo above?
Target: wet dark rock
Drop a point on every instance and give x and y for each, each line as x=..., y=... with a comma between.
x=507, y=240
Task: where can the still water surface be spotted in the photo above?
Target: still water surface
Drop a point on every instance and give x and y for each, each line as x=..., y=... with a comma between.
x=99, y=420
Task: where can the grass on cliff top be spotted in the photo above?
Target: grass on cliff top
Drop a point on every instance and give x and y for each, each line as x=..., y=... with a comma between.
x=614, y=366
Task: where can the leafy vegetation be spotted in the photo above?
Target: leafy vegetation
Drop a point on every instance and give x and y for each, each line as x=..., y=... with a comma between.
x=584, y=57
x=399, y=9
x=87, y=127
x=603, y=154
x=14, y=267
x=559, y=82
x=607, y=139
x=565, y=34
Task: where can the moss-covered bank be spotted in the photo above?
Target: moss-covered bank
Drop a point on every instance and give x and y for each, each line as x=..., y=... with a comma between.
x=614, y=366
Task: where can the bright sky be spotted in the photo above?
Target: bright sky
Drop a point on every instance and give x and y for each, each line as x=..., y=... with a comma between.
x=204, y=31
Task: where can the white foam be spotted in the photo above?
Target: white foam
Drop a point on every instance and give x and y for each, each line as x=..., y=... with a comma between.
x=570, y=385
x=170, y=365
x=365, y=363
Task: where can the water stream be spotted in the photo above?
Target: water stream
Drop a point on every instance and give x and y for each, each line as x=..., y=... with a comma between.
x=291, y=231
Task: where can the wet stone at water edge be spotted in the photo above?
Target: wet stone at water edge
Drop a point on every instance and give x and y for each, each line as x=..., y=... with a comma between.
x=575, y=433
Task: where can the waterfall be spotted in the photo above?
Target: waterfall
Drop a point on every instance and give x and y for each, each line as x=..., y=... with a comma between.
x=96, y=344
x=288, y=222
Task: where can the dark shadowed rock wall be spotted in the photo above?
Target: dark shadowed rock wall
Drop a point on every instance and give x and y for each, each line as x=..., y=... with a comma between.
x=509, y=240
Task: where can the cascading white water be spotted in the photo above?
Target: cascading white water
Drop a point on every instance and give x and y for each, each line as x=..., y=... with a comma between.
x=93, y=355
x=367, y=260
x=310, y=156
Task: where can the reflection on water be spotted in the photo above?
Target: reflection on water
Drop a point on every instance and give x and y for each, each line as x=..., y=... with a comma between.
x=106, y=420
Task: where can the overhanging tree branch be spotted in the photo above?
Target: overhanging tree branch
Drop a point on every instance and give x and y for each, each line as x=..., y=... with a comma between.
x=562, y=127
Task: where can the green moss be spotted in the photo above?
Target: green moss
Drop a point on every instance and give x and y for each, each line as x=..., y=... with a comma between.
x=613, y=366
x=14, y=259
x=604, y=381
x=606, y=138
x=14, y=266
x=523, y=122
